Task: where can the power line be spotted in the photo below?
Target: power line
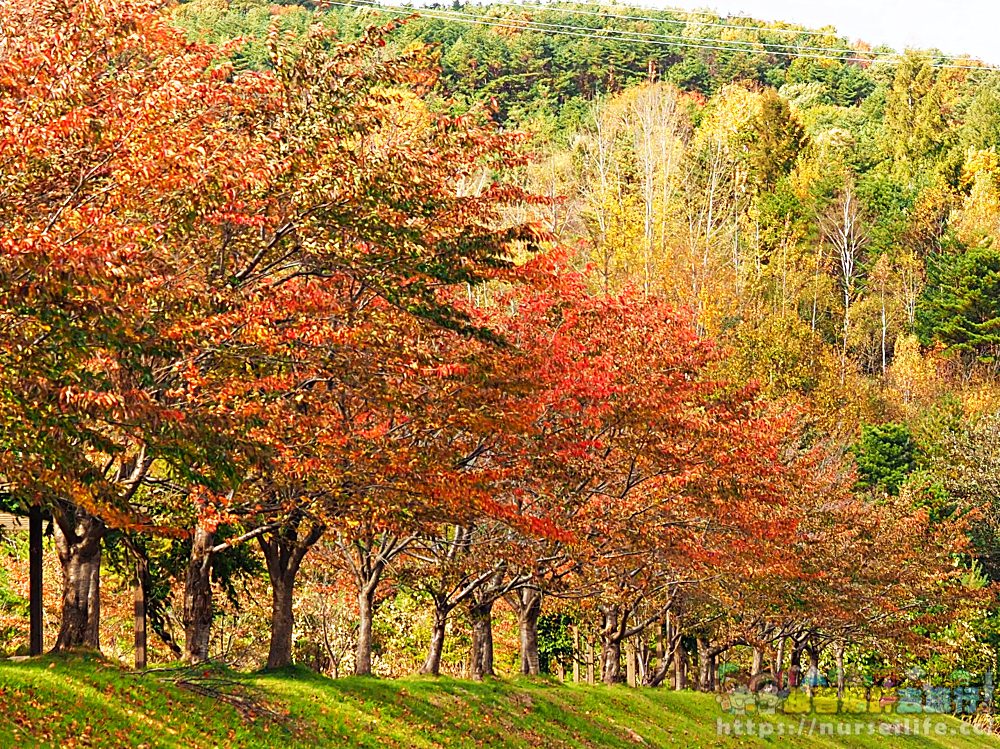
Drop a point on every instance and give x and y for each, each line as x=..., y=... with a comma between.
x=630, y=36
x=739, y=43
x=608, y=11
x=770, y=46
x=567, y=30
x=663, y=40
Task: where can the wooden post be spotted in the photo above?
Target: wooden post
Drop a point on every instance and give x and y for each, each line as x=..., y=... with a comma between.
x=630, y=663
x=139, y=593
x=779, y=664
x=590, y=660
x=35, y=579
x=576, y=655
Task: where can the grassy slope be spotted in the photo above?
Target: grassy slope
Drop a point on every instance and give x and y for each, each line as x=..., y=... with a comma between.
x=80, y=701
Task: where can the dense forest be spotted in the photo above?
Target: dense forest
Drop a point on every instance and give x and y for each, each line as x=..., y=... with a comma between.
x=646, y=346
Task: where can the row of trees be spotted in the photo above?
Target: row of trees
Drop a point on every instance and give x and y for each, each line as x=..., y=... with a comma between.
x=273, y=307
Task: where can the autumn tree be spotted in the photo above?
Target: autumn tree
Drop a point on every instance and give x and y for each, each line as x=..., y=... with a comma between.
x=206, y=265
x=633, y=451
x=916, y=113
x=775, y=139
x=968, y=467
x=102, y=174
x=376, y=218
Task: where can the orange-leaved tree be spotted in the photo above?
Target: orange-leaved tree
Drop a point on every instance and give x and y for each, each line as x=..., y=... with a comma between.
x=659, y=474
x=111, y=127
x=187, y=250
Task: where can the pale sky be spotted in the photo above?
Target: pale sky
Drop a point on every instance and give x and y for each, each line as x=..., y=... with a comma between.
x=956, y=27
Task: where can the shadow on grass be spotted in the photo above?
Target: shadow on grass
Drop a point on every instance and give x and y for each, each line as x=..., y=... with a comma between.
x=51, y=700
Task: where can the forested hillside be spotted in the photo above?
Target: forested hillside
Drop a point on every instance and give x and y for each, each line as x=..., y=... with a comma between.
x=616, y=344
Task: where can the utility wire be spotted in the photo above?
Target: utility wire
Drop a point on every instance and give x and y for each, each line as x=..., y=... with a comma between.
x=608, y=12
x=660, y=40
x=663, y=40
x=750, y=44
x=742, y=43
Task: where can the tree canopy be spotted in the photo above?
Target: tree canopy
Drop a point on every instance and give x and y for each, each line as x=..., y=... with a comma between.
x=445, y=334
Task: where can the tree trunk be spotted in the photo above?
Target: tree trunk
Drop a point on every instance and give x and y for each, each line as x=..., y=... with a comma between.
x=368, y=559
x=630, y=659
x=813, y=674
x=839, y=652
x=366, y=615
x=140, y=586
x=795, y=665
x=284, y=551
x=78, y=538
x=432, y=665
x=611, y=661
x=757, y=664
x=643, y=656
x=481, y=662
x=279, y=652
x=668, y=659
x=680, y=667
x=885, y=330
x=611, y=647
x=529, y=609
x=576, y=654
x=198, y=597
x=779, y=664
x=590, y=660
x=487, y=646
x=35, y=559
x=706, y=666
x=668, y=642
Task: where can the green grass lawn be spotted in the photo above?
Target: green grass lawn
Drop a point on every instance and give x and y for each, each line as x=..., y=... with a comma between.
x=85, y=701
